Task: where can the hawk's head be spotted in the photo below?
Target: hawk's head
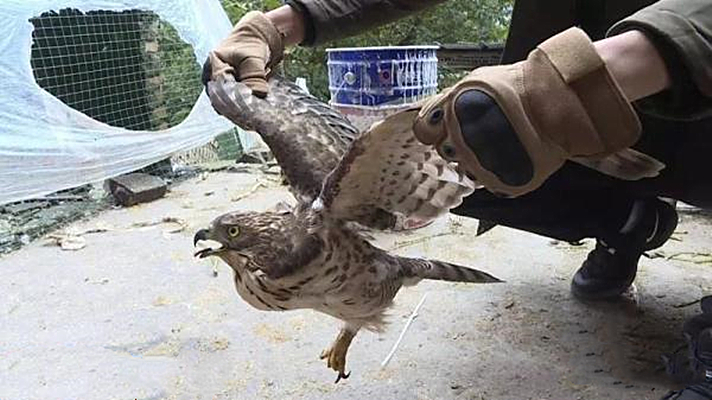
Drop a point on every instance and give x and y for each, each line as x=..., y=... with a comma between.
x=234, y=237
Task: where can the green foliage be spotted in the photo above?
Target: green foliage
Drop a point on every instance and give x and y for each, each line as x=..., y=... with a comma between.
x=180, y=73
x=235, y=9
x=180, y=85
x=127, y=69
x=455, y=21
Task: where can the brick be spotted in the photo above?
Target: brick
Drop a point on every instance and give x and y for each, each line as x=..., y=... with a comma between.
x=135, y=188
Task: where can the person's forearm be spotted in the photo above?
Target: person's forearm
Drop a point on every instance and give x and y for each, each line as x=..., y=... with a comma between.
x=635, y=64
x=289, y=22
x=680, y=30
x=631, y=57
x=330, y=20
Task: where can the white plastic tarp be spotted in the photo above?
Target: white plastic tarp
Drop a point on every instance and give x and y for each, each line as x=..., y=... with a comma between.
x=46, y=146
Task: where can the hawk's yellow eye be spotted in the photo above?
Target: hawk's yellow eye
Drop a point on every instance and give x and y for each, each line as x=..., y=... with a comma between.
x=233, y=231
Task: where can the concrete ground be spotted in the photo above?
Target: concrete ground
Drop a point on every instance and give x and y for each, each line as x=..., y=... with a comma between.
x=132, y=315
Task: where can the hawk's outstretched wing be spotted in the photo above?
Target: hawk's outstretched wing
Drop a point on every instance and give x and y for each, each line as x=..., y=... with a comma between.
x=387, y=170
x=306, y=136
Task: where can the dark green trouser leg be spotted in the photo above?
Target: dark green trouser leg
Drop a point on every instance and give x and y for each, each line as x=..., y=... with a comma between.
x=577, y=202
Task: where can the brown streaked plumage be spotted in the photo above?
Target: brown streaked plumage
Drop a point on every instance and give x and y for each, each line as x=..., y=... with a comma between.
x=312, y=256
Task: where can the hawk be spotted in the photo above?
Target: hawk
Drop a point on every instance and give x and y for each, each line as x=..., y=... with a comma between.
x=314, y=255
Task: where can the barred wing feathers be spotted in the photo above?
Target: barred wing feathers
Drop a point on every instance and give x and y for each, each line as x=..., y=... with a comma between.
x=388, y=169
x=306, y=136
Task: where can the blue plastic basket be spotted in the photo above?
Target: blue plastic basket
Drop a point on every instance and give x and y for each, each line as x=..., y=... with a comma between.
x=373, y=76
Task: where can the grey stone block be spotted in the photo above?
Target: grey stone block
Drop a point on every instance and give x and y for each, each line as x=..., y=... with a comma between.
x=135, y=188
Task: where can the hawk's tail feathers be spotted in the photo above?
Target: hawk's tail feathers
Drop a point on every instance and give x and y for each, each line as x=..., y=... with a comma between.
x=442, y=271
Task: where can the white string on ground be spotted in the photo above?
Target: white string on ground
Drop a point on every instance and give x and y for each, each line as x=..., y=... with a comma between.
x=409, y=322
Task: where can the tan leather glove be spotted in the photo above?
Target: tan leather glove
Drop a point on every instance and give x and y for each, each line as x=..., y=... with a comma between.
x=252, y=49
x=510, y=127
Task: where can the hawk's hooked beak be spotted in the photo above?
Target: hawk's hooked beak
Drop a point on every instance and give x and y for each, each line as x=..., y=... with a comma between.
x=202, y=235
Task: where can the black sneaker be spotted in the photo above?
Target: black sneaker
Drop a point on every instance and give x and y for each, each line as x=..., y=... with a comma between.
x=700, y=391
x=701, y=347
x=610, y=268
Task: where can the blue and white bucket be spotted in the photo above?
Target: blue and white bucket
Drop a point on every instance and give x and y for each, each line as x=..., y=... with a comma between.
x=376, y=76
x=369, y=83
